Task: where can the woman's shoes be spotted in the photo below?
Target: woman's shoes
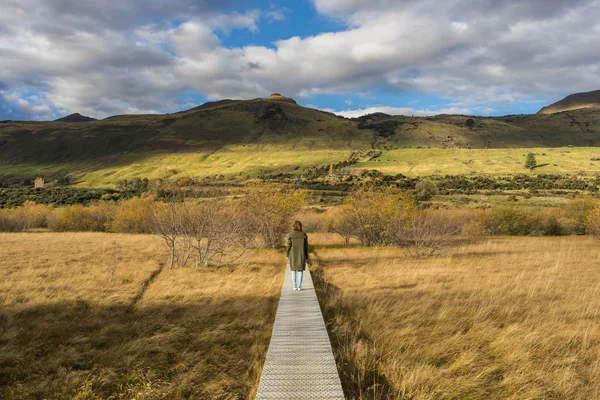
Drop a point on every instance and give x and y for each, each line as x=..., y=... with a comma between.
x=297, y=288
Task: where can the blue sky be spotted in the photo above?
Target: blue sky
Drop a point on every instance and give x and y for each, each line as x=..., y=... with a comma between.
x=413, y=57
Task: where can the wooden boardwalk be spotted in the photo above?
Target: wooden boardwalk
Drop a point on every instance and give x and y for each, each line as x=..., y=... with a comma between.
x=299, y=363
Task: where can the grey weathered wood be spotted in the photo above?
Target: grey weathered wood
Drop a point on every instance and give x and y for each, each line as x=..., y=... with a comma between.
x=299, y=363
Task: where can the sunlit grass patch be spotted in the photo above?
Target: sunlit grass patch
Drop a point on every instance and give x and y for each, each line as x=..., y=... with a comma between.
x=497, y=318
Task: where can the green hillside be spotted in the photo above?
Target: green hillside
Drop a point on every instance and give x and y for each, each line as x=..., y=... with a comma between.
x=573, y=102
x=240, y=139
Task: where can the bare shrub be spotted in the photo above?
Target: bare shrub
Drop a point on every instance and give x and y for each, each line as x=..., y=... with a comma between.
x=271, y=211
x=214, y=232
x=423, y=232
x=166, y=221
x=217, y=231
x=28, y=216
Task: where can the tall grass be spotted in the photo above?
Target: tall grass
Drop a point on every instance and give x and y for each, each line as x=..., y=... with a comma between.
x=76, y=323
x=496, y=318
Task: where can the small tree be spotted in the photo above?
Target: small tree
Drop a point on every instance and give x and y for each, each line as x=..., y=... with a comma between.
x=369, y=214
x=38, y=183
x=470, y=123
x=133, y=216
x=217, y=231
x=423, y=232
x=341, y=223
x=530, y=163
x=167, y=219
x=425, y=189
x=271, y=211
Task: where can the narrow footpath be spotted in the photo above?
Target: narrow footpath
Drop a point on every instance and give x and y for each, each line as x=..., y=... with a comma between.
x=299, y=363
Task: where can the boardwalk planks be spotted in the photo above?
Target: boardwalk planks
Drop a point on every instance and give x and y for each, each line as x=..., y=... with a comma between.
x=299, y=363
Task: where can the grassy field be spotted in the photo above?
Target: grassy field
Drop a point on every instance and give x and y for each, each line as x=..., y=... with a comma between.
x=421, y=162
x=234, y=163
x=238, y=163
x=488, y=318
x=495, y=318
x=75, y=322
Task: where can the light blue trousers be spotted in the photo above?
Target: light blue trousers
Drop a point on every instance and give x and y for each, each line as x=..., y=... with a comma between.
x=297, y=278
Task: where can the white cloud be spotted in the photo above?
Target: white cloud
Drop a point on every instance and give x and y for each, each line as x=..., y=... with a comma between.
x=276, y=15
x=108, y=57
x=20, y=105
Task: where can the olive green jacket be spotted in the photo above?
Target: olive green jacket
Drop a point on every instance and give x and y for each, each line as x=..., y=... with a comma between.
x=297, y=250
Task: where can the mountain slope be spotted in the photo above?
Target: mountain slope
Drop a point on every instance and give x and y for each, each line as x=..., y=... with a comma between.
x=574, y=102
x=241, y=138
x=76, y=117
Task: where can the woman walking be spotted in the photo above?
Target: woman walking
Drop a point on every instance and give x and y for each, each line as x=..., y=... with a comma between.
x=297, y=253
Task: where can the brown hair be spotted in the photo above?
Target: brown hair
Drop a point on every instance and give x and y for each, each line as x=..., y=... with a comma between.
x=298, y=226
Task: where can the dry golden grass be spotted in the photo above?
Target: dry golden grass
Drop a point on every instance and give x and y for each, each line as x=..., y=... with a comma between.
x=69, y=328
x=497, y=318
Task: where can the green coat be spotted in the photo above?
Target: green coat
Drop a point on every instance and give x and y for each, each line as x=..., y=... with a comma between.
x=297, y=250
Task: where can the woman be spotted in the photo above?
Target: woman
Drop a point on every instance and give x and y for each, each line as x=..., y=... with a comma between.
x=297, y=253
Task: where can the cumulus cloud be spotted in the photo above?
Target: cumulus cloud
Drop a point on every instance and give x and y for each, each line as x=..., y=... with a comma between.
x=21, y=106
x=108, y=57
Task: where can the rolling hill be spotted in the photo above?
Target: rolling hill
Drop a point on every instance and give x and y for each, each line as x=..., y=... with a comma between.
x=76, y=117
x=246, y=138
x=574, y=102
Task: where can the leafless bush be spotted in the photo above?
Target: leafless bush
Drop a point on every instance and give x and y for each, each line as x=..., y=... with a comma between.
x=167, y=221
x=214, y=232
x=217, y=231
x=424, y=232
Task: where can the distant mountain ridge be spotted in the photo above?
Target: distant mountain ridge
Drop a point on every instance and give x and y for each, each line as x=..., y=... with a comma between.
x=265, y=128
x=75, y=117
x=574, y=102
